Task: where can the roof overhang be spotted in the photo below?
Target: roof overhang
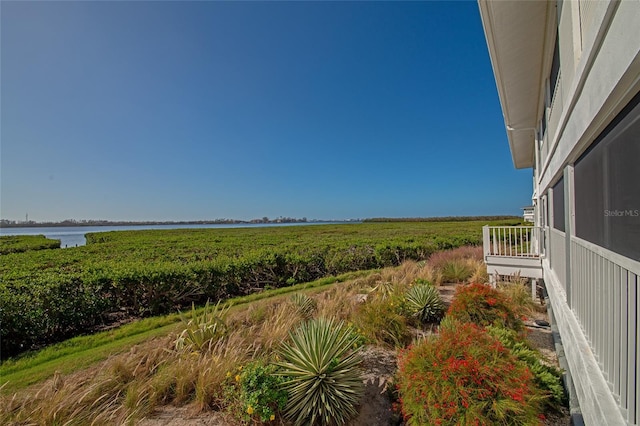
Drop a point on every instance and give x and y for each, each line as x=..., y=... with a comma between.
x=517, y=34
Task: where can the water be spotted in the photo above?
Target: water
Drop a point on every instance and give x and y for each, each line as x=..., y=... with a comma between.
x=74, y=236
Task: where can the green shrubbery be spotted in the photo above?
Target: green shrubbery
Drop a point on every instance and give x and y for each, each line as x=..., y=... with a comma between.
x=22, y=243
x=546, y=376
x=257, y=393
x=50, y=295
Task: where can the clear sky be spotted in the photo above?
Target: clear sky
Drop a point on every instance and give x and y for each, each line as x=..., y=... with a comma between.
x=205, y=110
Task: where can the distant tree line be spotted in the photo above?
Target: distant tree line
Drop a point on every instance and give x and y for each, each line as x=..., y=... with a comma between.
x=442, y=219
x=5, y=223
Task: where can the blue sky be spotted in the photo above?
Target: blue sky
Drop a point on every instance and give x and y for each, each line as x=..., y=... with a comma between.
x=205, y=110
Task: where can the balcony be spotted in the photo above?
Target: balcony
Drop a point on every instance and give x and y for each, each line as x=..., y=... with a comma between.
x=510, y=250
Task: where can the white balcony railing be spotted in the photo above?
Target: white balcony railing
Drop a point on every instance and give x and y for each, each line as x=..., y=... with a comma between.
x=512, y=241
x=604, y=297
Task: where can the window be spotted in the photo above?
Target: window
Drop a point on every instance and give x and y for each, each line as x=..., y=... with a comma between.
x=558, y=205
x=555, y=69
x=607, y=186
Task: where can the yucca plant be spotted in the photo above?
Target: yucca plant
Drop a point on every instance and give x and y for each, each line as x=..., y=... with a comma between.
x=305, y=305
x=383, y=289
x=210, y=325
x=424, y=302
x=323, y=370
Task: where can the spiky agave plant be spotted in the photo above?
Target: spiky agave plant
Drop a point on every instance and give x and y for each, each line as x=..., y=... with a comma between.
x=425, y=303
x=305, y=305
x=325, y=380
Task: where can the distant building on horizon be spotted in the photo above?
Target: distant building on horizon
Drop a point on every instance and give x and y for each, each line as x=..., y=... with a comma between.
x=568, y=78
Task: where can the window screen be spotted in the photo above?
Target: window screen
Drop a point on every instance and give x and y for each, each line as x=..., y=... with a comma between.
x=558, y=205
x=607, y=186
x=555, y=68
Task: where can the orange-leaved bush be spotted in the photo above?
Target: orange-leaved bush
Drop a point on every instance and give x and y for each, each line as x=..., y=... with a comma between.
x=484, y=305
x=464, y=376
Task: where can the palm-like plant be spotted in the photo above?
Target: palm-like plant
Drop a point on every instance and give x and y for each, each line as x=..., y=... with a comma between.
x=209, y=326
x=325, y=381
x=424, y=303
x=383, y=289
x=305, y=305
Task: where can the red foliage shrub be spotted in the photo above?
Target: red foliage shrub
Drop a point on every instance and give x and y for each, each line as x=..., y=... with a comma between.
x=483, y=305
x=464, y=376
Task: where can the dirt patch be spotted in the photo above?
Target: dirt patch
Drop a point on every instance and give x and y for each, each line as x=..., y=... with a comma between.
x=379, y=365
x=183, y=416
x=447, y=291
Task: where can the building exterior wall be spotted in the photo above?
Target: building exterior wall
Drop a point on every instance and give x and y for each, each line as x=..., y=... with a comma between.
x=594, y=290
x=602, y=81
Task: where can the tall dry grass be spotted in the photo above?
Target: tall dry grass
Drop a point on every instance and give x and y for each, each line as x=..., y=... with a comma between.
x=97, y=396
x=128, y=387
x=479, y=274
x=340, y=302
x=519, y=291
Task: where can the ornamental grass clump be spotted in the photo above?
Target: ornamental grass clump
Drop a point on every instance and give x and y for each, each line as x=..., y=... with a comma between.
x=323, y=370
x=483, y=305
x=383, y=321
x=424, y=303
x=465, y=376
x=456, y=271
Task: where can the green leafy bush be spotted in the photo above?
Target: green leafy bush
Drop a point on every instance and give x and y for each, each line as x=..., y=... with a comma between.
x=484, y=305
x=547, y=377
x=325, y=382
x=258, y=392
x=424, y=302
x=22, y=243
x=204, y=328
x=143, y=273
x=465, y=376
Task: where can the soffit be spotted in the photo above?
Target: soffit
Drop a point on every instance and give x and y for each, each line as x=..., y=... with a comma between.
x=515, y=33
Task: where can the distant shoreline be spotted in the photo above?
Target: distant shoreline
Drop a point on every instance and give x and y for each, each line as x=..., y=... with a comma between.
x=67, y=224
x=281, y=220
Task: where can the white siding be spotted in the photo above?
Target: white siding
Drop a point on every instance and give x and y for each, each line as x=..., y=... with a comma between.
x=606, y=78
